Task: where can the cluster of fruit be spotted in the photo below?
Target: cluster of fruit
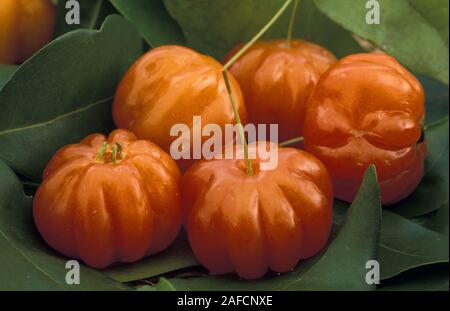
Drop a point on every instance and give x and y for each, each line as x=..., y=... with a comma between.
x=122, y=197
x=118, y=199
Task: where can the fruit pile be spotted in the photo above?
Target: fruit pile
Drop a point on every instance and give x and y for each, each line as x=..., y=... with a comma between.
x=123, y=197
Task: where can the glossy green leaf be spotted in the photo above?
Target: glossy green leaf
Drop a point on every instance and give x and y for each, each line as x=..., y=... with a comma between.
x=437, y=135
x=431, y=278
x=404, y=244
x=145, y=288
x=215, y=27
x=6, y=72
x=312, y=25
x=177, y=256
x=26, y=263
x=92, y=15
x=152, y=21
x=342, y=266
x=436, y=95
x=63, y=93
x=435, y=12
x=404, y=32
x=164, y=285
x=435, y=182
x=437, y=221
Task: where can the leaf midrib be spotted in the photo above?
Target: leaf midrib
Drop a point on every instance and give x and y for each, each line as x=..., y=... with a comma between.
x=57, y=118
x=405, y=253
x=95, y=15
x=436, y=259
x=415, y=9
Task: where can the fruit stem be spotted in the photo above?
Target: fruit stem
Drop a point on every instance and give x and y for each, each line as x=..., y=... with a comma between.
x=258, y=35
x=237, y=119
x=292, y=141
x=291, y=23
x=116, y=151
x=101, y=152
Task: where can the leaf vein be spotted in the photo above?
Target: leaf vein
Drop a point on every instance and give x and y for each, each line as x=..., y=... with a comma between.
x=57, y=118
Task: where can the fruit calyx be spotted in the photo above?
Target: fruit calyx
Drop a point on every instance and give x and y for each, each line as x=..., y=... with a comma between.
x=110, y=153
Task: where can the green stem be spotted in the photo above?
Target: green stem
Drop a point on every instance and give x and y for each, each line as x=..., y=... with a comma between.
x=258, y=35
x=119, y=151
x=292, y=141
x=291, y=23
x=116, y=151
x=237, y=118
x=101, y=152
x=248, y=163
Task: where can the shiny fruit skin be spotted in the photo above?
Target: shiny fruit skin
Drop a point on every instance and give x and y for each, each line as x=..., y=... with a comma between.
x=277, y=80
x=104, y=212
x=170, y=85
x=25, y=27
x=368, y=109
x=249, y=224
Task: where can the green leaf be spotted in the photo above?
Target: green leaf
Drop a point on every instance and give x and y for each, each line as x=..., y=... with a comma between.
x=436, y=95
x=63, y=93
x=92, y=15
x=342, y=266
x=215, y=27
x=436, y=13
x=404, y=32
x=162, y=285
x=176, y=257
x=312, y=25
x=6, y=72
x=431, y=278
x=438, y=144
x=26, y=263
x=435, y=182
x=152, y=21
x=437, y=221
x=403, y=244
x=145, y=288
